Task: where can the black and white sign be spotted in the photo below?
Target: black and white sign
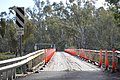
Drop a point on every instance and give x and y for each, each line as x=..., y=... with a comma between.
x=20, y=20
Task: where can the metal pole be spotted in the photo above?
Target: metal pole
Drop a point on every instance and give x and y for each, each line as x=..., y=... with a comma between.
x=54, y=46
x=35, y=47
x=20, y=45
x=20, y=52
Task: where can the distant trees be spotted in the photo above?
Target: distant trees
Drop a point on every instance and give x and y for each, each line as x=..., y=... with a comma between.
x=7, y=35
x=9, y=40
x=78, y=25
x=114, y=6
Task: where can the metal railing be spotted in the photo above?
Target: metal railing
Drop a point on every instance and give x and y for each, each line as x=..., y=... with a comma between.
x=107, y=59
x=9, y=68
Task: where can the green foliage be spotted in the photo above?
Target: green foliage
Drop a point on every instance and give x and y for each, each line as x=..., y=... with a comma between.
x=115, y=7
x=47, y=9
x=114, y=2
x=29, y=30
x=5, y=57
x=3, y=14
x=2, y=28
x=71, y=1
x=4, y=53
x=64, y=25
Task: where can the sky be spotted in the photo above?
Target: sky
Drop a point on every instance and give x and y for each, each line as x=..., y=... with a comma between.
x=5, y=4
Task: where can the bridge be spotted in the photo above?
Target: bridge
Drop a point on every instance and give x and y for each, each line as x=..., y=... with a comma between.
x=72, y=64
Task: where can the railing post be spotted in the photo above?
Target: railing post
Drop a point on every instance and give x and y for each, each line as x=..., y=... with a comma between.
x=10, y=74
x=0, y=75
x=100, y=60
x=80, y=53
x=83, y=54
x=14, y=73
x=24, y=68
x=5, y=76
x=29, y=65
x=113, y=60
x=89, y=54
x=106, y=59
x=45, y=55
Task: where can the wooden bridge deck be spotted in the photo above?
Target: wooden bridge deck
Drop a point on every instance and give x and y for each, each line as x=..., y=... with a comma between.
x=63, y=66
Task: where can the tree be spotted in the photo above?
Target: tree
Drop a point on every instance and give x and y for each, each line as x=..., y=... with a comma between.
x=2, y=28
x=70, y=25
x=75, y=25
x=105, y=28
x=115, y=7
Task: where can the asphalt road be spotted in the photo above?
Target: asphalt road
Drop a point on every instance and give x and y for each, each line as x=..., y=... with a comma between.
x=64, y=66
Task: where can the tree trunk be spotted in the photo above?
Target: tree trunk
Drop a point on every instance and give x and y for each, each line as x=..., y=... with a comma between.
x=83, y=38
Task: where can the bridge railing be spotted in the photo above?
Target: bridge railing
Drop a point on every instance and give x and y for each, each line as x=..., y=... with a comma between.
x=27, y=62
x=101, y=58
x=48, y=53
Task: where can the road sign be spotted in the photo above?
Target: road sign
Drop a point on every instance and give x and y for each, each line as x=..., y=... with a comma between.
x=20, y=20
x=20, y=26
x=20, y=31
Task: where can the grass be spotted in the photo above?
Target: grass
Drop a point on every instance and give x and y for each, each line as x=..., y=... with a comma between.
x=5, y=55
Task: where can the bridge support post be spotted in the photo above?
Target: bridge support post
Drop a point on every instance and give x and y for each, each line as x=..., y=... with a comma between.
x=14, y=73
x=5, y=76
x=24, y=69
x=10, y=74
x=29, y=65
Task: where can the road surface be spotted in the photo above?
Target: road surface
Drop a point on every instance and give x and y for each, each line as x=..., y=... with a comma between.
x=64, y=66
x=62, y=61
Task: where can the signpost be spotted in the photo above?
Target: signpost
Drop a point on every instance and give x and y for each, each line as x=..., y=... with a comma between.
x=20, y=25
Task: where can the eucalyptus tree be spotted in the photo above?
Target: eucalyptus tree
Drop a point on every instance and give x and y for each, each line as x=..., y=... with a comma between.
x=36, y=16
x=114, y=5
x=73, y=24
x=7, y=29
x=80, y=17
x=53, y=20
x=2, y=27
x=104, y=28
